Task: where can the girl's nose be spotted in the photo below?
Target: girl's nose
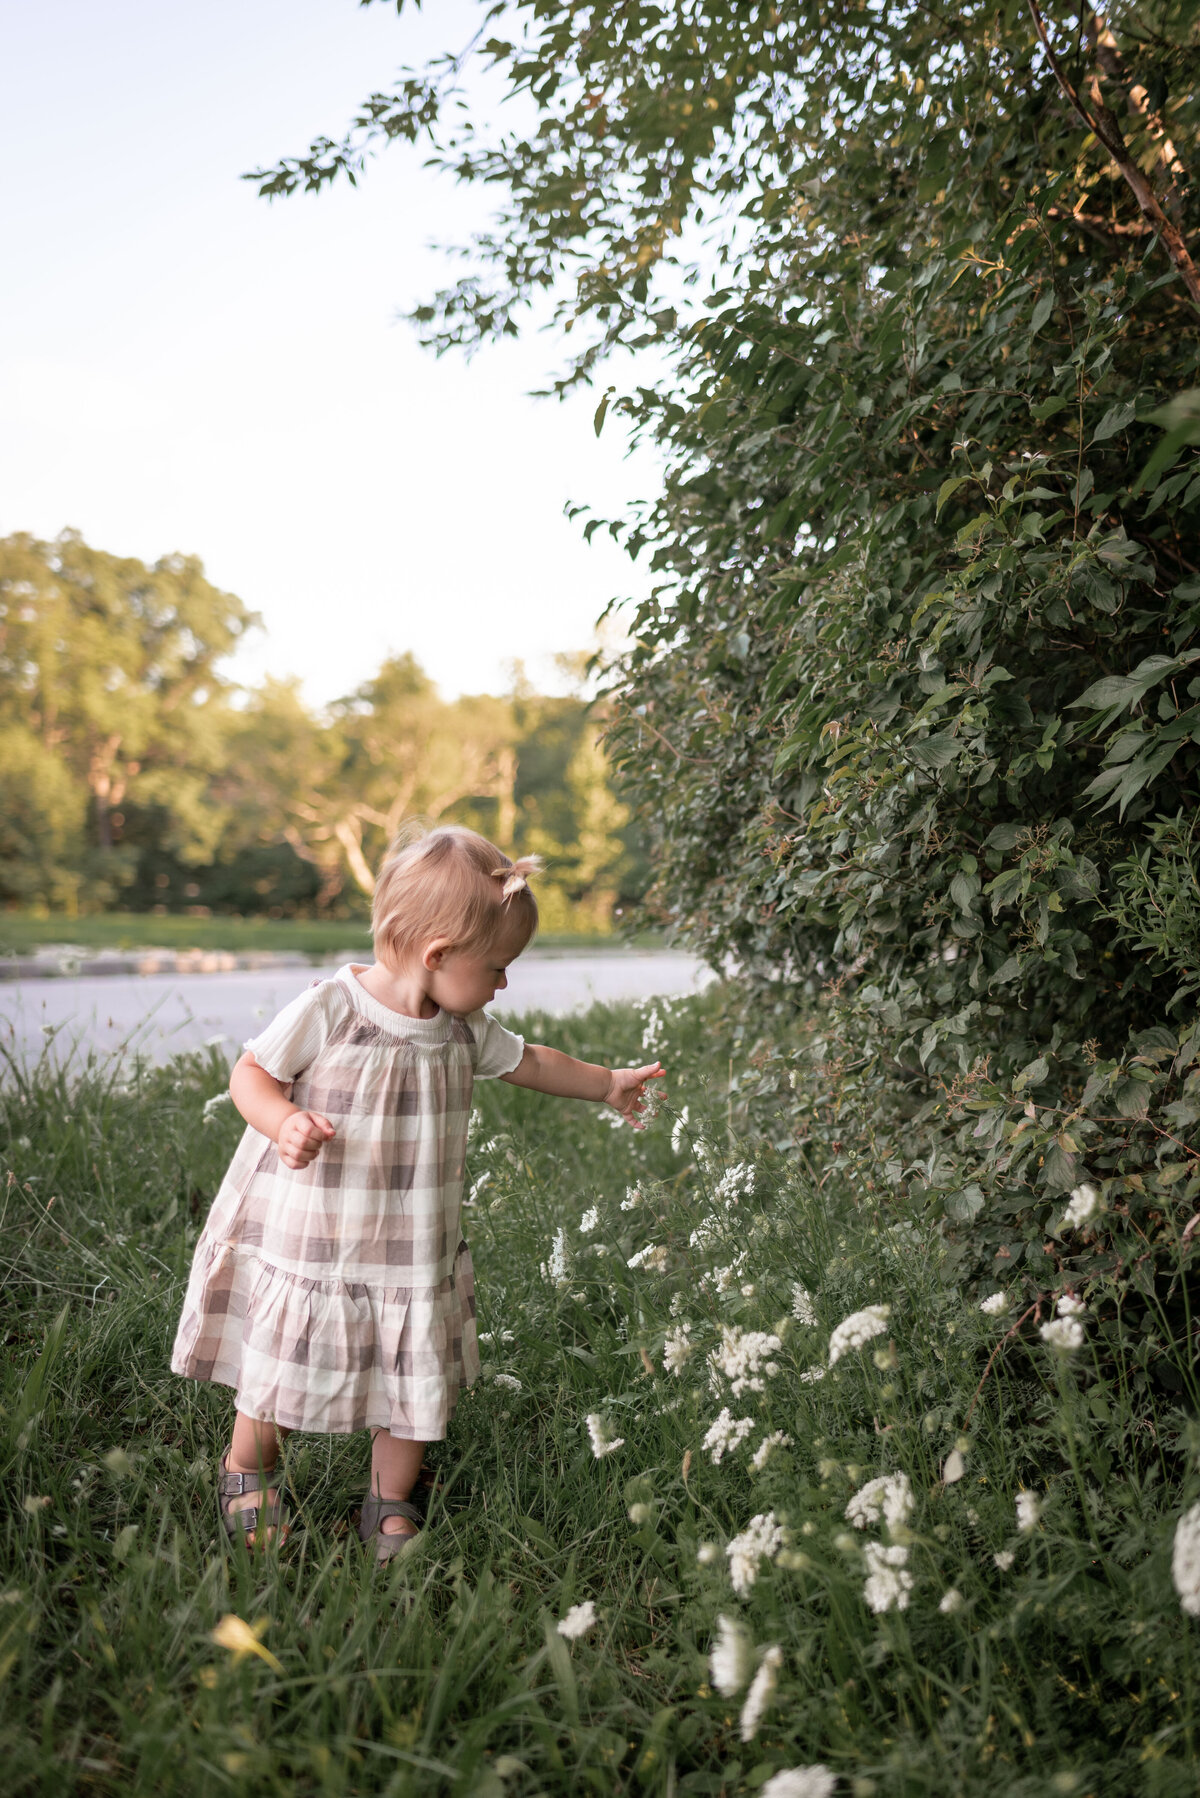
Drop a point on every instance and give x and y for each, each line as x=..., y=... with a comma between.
x=502, y=983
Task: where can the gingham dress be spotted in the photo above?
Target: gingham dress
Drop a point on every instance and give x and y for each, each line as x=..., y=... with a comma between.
x=341, y=1295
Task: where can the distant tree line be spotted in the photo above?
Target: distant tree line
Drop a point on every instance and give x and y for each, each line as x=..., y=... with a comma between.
x=137, y=775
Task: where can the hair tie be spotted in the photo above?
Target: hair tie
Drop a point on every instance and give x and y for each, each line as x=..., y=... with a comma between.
x=515, y=875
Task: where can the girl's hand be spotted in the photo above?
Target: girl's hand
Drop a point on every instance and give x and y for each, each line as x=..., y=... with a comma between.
x=301, y=1137
x=627, y=1091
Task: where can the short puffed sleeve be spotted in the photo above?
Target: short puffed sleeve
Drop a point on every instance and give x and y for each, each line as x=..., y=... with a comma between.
x=498, y=1051
x=292, y=1041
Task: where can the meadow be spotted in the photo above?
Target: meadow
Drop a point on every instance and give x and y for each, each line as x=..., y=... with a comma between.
x=814, y=1521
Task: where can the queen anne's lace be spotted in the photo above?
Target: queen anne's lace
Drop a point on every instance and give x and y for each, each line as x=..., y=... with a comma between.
x=725, y=1433
x=800, y=1782
x=1063, y=1333
x=766, y=1447
x=995, y=1304
x=729, y=1658
x=578, y=1620
x=803, y=1309
x=1029, y=1511
x=762, y=1688
x=857, y=1329
x=603, y=1443
x=888, y=1582
x=761, y=1540
x=743, y=1356
x=1085, y=1202
x=889, y=1497
x=1185, y=1561
x=677, y=1349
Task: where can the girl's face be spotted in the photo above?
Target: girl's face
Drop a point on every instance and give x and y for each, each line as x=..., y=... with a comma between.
x=462, y=981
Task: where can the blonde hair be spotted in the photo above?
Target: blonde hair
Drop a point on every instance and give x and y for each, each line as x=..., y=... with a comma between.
x=451, y=882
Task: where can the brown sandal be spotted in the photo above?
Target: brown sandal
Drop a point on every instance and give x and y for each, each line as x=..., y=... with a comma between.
x=386, y=1542
x=271, y=1514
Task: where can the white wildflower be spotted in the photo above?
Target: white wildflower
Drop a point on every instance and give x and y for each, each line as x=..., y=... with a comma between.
x=889, y=1497
x=748, y=1290
x=1004, y=1559
x=726, y=1277
x=706, y=1554
x=477, y=1187
x=1063, y=1333
x=213, y=1105
x=705, y=1231
x=214, y=1042
x=1185, y=1561
x=736, y=1183
x=811, y=1375
x=950, y=1602
x=803, y=1309
x=744, y=1356
x=640, y=1513
x=677, y=1349
x=1069, y=1306
x=762, y=1689
x=761, y=1540
x=725, y=1434
x=857, y=1329
x=588, y=1221
x=509, y=1381
x=653, y=1256
x=995, y=1304
x=800, y=1782
x=729, y=1657
x=677, y=1130
x=633, y=1198
x=888, y=1583
x=762, y=1453
x=1085, y=1202
x=578, y=1620
x=603, y=1443
x=558, y=1268
x=652, y=1034
x=1029, y=1511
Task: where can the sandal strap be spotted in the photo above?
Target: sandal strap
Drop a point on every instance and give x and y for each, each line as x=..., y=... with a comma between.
x=374, y=1510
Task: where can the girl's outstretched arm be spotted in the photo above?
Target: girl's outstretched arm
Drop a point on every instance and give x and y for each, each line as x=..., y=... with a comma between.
x=550, y=1071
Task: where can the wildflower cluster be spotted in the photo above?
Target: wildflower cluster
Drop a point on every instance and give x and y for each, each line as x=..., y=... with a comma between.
x=859, y=1328
x=725, y=1434
x=744, y=1357
x=761, y=1540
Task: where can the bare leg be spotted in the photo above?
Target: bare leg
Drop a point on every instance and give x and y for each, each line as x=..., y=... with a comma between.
x=394, y=1469
x=254, y=1449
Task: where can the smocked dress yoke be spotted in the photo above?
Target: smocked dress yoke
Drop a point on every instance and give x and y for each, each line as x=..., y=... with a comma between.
x=341, y=1295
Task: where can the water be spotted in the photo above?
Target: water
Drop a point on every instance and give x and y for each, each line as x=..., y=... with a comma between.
x=162, y=1014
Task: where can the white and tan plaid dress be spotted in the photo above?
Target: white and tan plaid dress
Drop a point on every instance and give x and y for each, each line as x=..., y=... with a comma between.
x=341, y=1295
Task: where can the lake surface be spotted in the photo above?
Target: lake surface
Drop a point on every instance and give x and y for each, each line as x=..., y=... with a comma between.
x=162, y=1014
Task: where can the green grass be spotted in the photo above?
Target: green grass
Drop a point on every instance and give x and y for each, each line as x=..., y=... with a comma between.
x=1072, y=1672
x=21, y=933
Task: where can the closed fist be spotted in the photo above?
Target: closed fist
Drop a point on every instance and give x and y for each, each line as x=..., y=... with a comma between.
x=301, y=1137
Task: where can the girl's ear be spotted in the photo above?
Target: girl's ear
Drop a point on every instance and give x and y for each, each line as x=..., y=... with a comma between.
x=435, y=953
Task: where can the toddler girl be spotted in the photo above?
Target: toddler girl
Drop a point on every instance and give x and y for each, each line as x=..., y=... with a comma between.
x=330, y=1286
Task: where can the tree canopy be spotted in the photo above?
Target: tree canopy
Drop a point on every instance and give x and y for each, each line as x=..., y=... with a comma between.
x=135, y=769
x=913, y=714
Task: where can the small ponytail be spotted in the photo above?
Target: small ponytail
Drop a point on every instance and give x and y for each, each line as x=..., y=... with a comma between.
x=515, y=875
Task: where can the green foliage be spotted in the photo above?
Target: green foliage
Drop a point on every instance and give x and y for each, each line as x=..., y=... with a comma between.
x=1069, y=1670
x=918, y=686
x=130, y=770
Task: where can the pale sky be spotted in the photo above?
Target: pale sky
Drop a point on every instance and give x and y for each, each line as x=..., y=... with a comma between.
x=185, y=367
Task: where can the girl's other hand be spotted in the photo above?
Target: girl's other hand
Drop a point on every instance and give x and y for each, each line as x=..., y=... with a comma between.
x=627, y=1091
x=302, y=1136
